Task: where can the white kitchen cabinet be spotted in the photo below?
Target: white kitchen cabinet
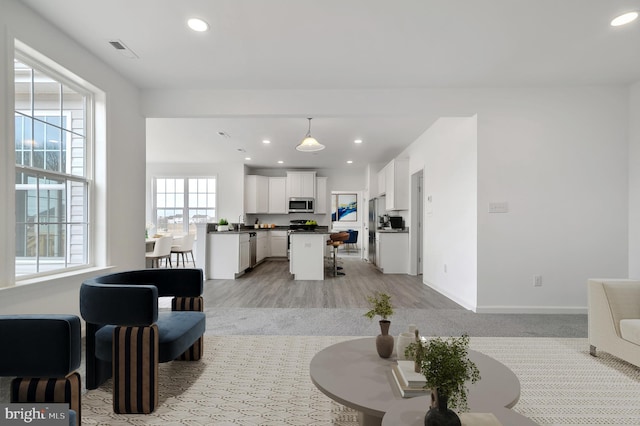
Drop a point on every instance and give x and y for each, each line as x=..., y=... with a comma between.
x=321, y=195
x=278, y=243
x=262, y=245
x=382, y=174
x=228, y=256
x=301, y=184
x=397, y=185
x=256, y=194
x=392, y=252
x=278, y=195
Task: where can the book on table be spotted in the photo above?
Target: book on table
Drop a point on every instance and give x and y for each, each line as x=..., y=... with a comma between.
x=411, y=378
x=405, y=390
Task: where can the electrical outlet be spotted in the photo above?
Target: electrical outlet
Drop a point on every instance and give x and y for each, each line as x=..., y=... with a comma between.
x=537, y=280
x=445, y=267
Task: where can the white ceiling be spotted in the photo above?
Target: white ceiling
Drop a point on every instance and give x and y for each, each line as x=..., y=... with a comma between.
x=344, y=44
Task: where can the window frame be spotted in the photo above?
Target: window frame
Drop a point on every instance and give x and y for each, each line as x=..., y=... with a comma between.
x=186, y=224
x=65, y=79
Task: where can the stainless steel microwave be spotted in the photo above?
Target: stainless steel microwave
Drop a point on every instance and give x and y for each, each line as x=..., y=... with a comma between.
x=301, y=205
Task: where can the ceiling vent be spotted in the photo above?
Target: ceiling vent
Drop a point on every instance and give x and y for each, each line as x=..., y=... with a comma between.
x=123, y=49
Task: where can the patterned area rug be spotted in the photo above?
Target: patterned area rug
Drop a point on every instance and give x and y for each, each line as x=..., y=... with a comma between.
x=264, y=380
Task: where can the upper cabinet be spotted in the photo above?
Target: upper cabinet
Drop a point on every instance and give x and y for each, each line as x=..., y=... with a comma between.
x=382, y=175
x=278, y=195
x=256, y=194
x=321, y=195
x=263, y=194
x=301, y=184
x=396, y=182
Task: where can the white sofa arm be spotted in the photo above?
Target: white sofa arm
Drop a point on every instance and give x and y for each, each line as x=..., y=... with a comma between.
x=611, y=300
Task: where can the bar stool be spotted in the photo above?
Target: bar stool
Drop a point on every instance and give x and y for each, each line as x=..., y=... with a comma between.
x=336, y=240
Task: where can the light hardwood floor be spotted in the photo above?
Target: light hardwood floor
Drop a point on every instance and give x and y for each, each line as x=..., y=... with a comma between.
x=270, y=285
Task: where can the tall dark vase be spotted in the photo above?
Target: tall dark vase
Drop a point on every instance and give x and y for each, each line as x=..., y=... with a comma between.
x=384, y=341
x=439, y=414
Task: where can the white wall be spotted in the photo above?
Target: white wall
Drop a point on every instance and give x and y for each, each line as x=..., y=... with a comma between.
x=447, y=152
x=559, y=158
x=634, y=181
x=120, y=167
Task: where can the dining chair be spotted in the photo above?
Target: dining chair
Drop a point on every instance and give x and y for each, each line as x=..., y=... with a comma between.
x=352, y=241
x=161, y=250
x=185, y=246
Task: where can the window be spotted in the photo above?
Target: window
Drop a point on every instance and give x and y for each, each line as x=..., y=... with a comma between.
x=181, y=202
x=52, y=174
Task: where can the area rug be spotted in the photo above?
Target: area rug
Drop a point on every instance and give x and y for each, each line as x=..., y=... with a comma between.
x=264, y=380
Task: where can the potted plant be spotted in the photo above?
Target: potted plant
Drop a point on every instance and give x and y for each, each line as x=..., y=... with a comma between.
x=446, y=367
x=223, y=224
x=380, y=304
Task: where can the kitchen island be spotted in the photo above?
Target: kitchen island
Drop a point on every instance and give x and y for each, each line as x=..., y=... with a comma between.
x=230, y=253
x=306, y=254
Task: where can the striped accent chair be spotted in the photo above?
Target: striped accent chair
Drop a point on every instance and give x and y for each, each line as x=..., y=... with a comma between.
x=42, y=352
x=127, y=336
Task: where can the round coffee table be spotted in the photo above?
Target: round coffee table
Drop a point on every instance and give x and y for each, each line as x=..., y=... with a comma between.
x=352, y=374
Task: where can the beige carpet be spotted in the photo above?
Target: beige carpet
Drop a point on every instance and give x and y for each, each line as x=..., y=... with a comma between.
x=264, y=380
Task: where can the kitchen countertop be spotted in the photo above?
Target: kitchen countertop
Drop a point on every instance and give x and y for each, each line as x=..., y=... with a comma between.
x=393, y=231
x=318, y=230
x=246, y=229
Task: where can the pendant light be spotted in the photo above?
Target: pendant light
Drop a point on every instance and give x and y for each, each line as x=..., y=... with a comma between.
x=309, y=144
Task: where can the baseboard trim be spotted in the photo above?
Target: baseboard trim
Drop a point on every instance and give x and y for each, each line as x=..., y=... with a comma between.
x=574, y=310
x=504, y=309
x=465, y=304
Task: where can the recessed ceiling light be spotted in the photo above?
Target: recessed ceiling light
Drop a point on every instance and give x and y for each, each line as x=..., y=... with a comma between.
x=280, y=162
x=349, y=161
x=266, y=141
x=358, y=141
x=197, y=24
x=247, y=158
x=624, y=19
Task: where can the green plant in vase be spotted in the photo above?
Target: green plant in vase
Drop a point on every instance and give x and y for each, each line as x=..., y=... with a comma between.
x=380, y=305
x=223, y=224
x=446, y=366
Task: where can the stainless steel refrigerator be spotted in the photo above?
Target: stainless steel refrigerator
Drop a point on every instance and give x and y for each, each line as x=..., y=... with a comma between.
x=373, y=224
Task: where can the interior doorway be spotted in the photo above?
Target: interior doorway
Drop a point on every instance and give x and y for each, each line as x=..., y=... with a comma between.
x=347, y=214
x=416, y=229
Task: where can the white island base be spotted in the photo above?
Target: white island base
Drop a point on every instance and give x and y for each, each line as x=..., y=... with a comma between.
x=306, y=256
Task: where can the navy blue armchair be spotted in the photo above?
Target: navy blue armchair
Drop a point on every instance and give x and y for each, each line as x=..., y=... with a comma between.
x=126, y=332
x=42, y=352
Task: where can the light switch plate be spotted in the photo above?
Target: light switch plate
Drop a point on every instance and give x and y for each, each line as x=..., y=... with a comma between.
x=501, y=207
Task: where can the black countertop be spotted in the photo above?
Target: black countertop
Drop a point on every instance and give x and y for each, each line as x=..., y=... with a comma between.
x=317, y=230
